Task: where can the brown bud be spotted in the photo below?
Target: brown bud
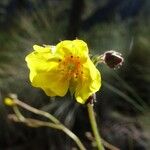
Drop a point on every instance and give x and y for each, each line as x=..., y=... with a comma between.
x=113, y=59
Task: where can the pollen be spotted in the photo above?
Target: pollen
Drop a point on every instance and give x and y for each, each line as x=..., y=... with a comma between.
x=71, y=66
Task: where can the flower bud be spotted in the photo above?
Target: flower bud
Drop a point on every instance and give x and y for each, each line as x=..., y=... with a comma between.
x=9, y=102
x=113, y=59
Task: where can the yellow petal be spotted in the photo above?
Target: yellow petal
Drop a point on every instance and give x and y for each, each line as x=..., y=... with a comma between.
x=89, y=83
x=75, y=48
x=41, y=60
x=49, y=92
x=72, y=86
x=53, y=83
x=42, y=49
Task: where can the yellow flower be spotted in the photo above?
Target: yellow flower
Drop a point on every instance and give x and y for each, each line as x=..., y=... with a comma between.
x=66, y=66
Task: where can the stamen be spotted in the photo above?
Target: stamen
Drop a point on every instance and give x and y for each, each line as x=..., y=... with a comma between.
x=71, y=67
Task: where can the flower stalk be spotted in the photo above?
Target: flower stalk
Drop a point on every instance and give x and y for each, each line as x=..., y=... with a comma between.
x=94, y=127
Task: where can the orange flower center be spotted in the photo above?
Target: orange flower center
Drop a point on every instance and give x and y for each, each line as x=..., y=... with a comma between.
x=71, y=66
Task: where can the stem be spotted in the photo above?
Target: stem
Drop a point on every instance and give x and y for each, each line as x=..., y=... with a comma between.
x=33, y=122
x=74, y=137
x=36, y=111
x=109, y=146
x=18, y=113
x=94, y=127
x=57, y=124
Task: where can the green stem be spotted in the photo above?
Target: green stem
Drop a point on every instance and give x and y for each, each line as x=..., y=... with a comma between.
x=94, y=127
x=36, y=111
x=73, y=137
x=18, y=113
x=57, y=123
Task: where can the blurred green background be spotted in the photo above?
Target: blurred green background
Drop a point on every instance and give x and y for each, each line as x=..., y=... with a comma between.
x=122, y=103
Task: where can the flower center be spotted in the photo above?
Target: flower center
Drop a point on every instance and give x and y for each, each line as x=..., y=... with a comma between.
x=71, y=66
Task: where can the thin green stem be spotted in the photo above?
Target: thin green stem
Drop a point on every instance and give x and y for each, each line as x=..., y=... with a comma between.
x=36, y=111
x=18, y=113
x=57, y=124
x=94, y=127
x=74, y=137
